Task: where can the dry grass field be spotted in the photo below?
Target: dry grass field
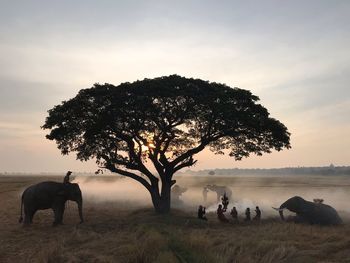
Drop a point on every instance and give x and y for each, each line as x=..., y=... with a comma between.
x=122, y=231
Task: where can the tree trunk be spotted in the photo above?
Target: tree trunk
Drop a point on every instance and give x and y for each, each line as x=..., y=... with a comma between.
x=161, y=202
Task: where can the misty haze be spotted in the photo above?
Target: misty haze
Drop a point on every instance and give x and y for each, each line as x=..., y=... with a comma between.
x=249, y=191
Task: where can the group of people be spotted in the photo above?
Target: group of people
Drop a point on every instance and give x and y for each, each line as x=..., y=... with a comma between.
x=234, y=213
x=222, y=208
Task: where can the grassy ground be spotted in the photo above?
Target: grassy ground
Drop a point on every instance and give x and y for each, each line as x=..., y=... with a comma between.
x=116, y=232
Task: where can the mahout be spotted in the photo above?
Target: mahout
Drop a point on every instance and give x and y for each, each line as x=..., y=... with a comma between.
x=310, y=212
x=46, y=195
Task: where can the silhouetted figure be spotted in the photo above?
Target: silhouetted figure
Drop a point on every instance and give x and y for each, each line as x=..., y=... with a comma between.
x=201, y=213
x=66, y=178
x=224, y=201
x=247, y=214
x=258, y=214
x=205, y=194
x=221, y=216
x=234, y=214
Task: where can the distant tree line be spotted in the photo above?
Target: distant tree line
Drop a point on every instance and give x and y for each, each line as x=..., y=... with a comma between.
x=325, y=170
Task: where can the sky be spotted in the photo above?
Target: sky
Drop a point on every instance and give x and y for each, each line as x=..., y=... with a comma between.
x=293, y=54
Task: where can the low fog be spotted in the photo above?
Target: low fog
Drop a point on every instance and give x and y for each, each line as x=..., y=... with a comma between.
x=247, y=192
x=112, y=189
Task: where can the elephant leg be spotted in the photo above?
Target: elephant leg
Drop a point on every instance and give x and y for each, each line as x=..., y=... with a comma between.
x=26, y=219
x=299, y=219
x=28, y=216
x=57, y=216
x=31, y=215
x=61, y=214
x=58, y=212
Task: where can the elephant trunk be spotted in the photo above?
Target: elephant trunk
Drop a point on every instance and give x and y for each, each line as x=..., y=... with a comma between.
x=282, y=207
x=281, y=213
x=80, y=208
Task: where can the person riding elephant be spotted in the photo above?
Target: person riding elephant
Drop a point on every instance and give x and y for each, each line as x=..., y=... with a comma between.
x=310, y=212
x=46, y=195
x=66, y=178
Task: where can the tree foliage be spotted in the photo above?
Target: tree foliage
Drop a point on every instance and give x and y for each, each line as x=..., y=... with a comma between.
x=164, y=121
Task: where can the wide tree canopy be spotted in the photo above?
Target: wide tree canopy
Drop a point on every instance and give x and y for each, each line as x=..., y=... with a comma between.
x=162, y=122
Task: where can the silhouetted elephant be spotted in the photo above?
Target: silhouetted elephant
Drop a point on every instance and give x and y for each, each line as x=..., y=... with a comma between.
x=47, y=195
x=310, y=212
x=220, y=191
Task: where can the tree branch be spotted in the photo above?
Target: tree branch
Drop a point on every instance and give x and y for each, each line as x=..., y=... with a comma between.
x=187, y=163
x=189, y=153
x=141, y=180
x=141, y=167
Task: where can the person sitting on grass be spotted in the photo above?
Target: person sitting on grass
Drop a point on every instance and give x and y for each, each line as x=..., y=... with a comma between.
x=221, y=215
x=247, y=214
x=258, y=214
x=234, y=214
x=201, y=213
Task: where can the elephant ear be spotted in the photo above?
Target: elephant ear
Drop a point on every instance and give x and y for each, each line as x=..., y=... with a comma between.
x=64, y=191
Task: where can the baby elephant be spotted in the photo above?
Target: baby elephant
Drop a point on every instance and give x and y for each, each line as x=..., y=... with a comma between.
x=47, y=195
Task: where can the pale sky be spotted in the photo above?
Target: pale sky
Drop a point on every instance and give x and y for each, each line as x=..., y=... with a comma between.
x=293, y=54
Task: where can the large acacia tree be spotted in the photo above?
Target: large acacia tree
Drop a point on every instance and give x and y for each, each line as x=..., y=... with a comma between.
x=162, y=123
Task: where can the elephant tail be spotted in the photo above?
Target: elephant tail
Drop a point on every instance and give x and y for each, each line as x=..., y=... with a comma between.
x=21, y=217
